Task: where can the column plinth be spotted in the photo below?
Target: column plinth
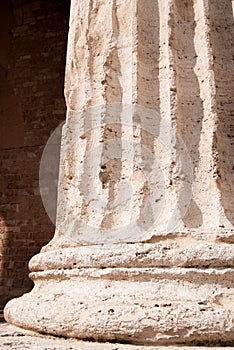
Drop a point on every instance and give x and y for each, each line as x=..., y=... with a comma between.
x=142, y=293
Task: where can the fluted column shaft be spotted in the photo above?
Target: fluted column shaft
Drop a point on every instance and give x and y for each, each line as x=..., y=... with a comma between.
x=143, y=250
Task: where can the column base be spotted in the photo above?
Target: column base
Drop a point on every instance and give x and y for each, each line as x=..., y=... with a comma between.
x=187, y=299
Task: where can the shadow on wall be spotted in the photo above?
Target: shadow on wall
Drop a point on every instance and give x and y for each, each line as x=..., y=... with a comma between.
x=32, y=62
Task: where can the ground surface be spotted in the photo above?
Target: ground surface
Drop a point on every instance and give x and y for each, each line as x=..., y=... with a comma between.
x=14, y=338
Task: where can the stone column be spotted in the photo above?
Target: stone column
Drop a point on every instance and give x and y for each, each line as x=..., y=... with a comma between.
x=143, y=249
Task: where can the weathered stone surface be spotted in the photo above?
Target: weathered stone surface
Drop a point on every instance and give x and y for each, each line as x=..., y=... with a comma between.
x=116, y=293
x=143, y=306
x=14, y=338
x=171, y=283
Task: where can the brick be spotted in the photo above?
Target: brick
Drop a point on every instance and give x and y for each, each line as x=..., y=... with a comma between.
x=36, y=61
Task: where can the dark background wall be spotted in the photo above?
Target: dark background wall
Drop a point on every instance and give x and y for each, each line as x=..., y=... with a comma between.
x=33, y=36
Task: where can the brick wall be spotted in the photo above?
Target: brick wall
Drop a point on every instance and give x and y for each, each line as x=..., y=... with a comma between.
x=32, y=63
